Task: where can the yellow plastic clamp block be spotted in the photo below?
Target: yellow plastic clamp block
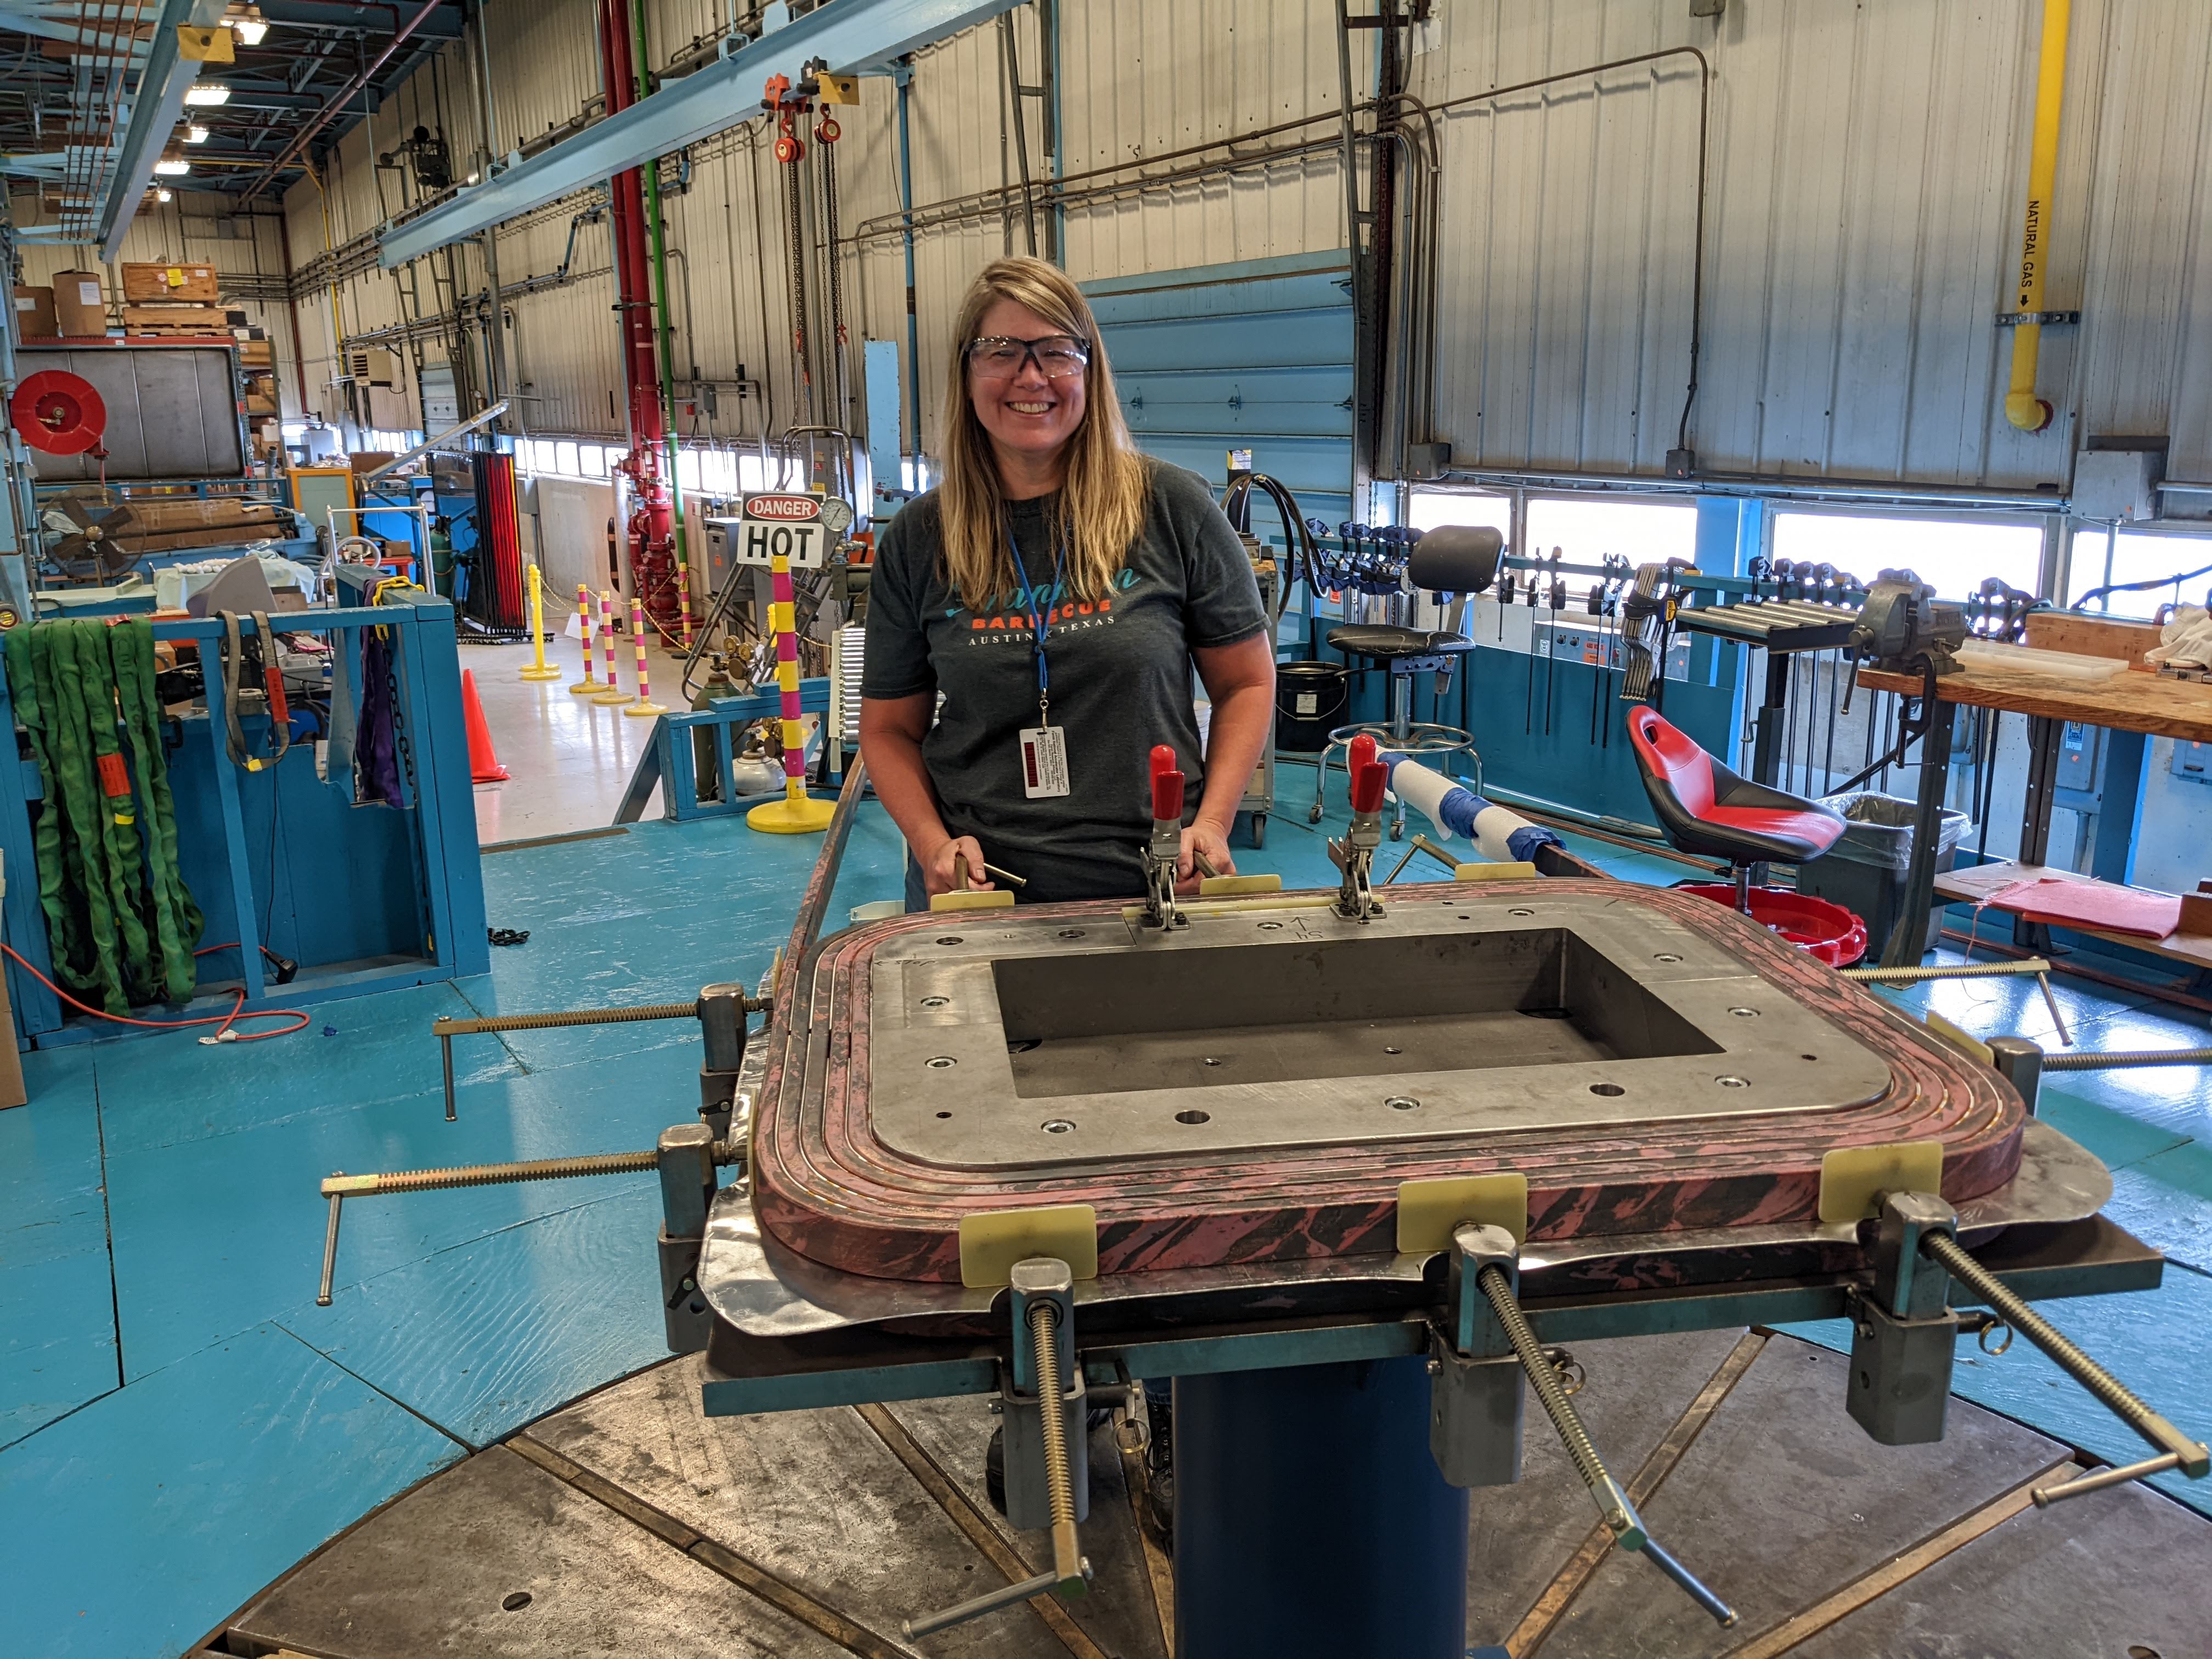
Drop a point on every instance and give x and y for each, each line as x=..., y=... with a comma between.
x=1965, y=1042
x=997, y=899
x=1428, y=1211
x=990, y=1244
x=1852, y=1178
x=1518, y=870
x=1237, y=886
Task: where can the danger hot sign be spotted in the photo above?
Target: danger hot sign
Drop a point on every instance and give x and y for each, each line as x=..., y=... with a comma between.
x=787, y=524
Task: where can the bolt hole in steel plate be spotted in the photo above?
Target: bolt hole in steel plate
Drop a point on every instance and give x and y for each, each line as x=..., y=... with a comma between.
x=517, y=1601
x=1402, y=1104
x=1495, y=1023
x=1193, y=1117
x=1056, y=1126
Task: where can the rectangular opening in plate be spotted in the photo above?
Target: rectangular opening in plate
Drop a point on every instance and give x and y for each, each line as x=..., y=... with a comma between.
x=1112, y=1022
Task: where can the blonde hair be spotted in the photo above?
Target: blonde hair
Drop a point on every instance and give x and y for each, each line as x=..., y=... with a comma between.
x=1102, y=496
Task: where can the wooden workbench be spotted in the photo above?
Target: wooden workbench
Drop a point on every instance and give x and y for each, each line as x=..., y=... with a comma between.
x=2135, y=701
x=1972, y=886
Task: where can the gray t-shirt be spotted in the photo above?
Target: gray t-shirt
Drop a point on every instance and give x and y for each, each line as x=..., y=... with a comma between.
x=1120, y=671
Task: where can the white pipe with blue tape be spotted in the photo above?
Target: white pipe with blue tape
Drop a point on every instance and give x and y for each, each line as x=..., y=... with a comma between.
x=1498, y=833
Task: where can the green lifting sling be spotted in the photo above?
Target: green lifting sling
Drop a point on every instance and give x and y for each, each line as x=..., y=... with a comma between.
x=120, y=924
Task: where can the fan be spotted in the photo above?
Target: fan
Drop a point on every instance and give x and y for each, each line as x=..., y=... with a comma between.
x=83, y=539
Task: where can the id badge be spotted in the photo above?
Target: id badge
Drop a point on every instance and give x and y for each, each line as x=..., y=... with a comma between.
x=1044, y=761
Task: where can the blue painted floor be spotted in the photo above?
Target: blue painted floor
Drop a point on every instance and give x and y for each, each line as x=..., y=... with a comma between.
x=179, y=1422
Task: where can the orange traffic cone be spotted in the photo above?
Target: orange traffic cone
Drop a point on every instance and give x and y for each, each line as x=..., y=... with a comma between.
x=483, y=762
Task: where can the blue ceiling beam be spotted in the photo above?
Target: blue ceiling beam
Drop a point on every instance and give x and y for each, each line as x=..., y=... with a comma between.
x=849, y=35
x=155, y=107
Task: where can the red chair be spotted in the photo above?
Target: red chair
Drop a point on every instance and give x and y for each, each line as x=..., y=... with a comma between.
x=1707, y=810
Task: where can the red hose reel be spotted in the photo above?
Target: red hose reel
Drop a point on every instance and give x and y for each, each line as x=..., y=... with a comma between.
x=59, y=413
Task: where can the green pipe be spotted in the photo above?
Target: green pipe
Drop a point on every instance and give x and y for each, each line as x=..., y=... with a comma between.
x=660, y=320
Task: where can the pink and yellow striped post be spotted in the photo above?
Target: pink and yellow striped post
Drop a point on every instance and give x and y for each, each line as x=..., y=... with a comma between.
x=588, y=686
x=795, y=814
x=614, y=694
x=684, y=604
x=645, y=706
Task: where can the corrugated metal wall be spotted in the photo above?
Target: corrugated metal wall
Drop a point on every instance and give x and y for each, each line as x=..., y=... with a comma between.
x=1866, y=171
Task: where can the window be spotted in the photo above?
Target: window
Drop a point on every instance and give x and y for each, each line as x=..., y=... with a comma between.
x=717, y=471
x=1427, y=508
x=1953, y=556
x=1586, y=528
x=593, y=460
x=2138, y=557
x=536, y=454
x=688, y=474
x=564, y=460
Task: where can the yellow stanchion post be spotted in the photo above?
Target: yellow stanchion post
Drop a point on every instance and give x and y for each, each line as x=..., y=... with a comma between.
x=796, y=814
x=589, y=685
x=645, y=705
x=538, y=668
x=614, y=694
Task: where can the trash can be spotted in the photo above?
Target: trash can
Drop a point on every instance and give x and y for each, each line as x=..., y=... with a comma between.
x=1865, y=870
x=1310, y=698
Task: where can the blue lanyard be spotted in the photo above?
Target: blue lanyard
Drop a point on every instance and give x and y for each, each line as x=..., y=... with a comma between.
x=1039, y=621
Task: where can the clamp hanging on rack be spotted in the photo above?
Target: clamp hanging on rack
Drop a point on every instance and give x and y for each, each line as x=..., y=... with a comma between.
x=269, y=696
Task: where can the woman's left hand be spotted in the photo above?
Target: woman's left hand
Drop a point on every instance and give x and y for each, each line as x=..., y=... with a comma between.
x=1207, y=838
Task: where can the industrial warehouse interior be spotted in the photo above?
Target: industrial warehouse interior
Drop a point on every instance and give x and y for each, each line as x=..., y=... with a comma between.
x=768, y=889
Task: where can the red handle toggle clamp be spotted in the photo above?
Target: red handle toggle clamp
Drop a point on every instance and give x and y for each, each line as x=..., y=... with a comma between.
x=1167, y=797
x=1167, y=785
x=1368, y=782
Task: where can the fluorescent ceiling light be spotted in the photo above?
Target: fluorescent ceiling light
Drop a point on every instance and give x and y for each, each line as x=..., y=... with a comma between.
x=163, y=194
x=172, y=169
x=249, y=25
x=206, y=94
x=196, y=135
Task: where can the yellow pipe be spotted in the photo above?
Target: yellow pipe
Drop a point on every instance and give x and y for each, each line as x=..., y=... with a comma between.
x=2022, y=407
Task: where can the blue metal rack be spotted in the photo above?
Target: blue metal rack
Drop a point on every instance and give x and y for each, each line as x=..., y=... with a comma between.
x=670, y=761
x=362, y=898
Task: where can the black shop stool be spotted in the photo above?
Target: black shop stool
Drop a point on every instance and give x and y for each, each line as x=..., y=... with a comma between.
x=1449, y=560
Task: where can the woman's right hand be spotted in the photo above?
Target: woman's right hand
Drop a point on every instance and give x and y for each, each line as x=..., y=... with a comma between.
x=938, y=873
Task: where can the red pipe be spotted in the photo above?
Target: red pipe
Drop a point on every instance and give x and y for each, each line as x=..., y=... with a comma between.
x=651, y=526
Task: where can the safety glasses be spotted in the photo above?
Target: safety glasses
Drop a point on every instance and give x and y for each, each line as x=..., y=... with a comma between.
x=1058, y=356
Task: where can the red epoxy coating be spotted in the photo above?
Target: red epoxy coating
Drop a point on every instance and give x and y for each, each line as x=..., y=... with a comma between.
x=830, y=1190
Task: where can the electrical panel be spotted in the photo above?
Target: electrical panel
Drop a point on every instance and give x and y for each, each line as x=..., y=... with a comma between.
x=2192, y=761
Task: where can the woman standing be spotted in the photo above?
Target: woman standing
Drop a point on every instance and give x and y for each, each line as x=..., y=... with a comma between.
x=1057, y=589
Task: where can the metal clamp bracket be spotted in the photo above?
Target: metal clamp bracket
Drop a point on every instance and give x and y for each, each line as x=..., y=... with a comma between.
x=1904, y=1335
x=1046, y=1413
x=1485, y=1265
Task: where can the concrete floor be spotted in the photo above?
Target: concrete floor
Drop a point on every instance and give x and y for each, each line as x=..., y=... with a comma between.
x=569, y=758
x=180, y=1423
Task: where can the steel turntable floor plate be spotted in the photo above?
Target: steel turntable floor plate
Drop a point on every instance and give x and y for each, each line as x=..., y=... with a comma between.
x=1254, y=1087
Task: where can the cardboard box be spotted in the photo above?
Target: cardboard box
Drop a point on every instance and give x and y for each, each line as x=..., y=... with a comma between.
x=34, y=313
x=257, y=353
x=80, y=304
x=170, y=281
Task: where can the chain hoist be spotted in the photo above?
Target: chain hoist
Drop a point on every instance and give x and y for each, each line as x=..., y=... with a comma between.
x=825, y=138
x=790, y=152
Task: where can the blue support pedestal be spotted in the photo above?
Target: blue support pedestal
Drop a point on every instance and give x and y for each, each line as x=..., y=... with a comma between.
x=1310, y=1517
